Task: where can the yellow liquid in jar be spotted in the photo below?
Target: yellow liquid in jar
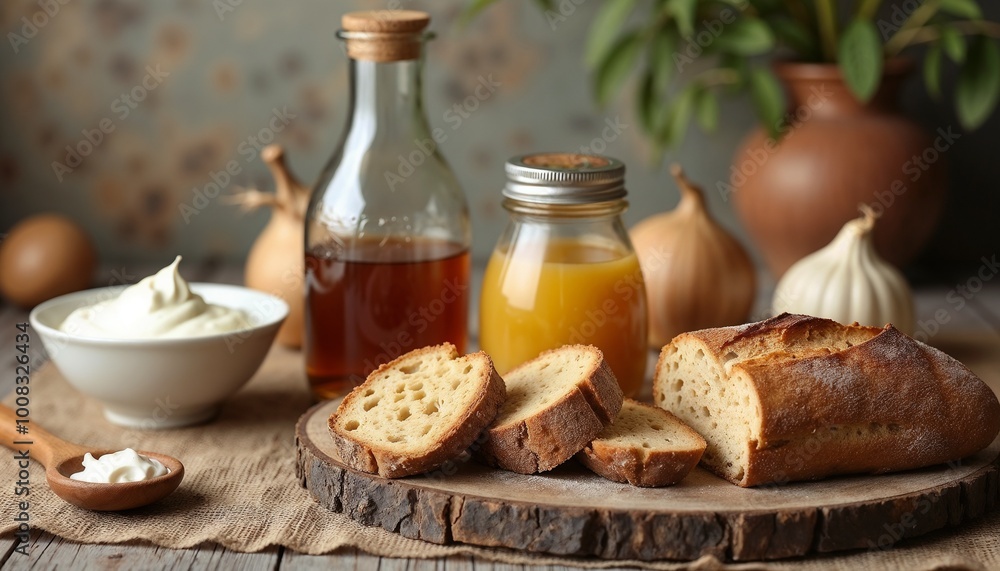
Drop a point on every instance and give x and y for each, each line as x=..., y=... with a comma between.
x=542, y=296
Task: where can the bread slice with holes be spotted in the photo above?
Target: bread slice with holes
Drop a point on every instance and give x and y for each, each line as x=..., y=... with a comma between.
x=646, y=446
x=556, y=404
x=797, y=397
x=417, y=412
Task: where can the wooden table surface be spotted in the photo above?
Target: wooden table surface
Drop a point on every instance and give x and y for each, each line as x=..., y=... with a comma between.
x=980, y=314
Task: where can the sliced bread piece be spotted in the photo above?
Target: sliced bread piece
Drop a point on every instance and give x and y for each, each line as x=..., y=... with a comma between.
x=646, y=446
x=556, y=404
x=797, y=397
x=417, y=412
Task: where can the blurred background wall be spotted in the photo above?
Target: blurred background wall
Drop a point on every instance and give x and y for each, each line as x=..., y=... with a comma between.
x=212, y=80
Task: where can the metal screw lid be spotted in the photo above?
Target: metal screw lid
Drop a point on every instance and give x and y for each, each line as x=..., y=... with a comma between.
x=564, y=178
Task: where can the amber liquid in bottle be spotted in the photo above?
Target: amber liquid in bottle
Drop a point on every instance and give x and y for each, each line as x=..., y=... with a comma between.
x=387, y=249
x=371, y=306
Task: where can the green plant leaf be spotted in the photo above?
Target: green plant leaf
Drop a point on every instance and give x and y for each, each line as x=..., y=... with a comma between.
x=978, y=83
x=795, y=35
x=678, y=117
x=606, y=25
x=616, y=66
x=707, y=110
x=962, y=8
x=866, y=9
x=661, y=53
x=735, y=67
x=768, y=99
x=932, y=71
x=647, y=103
x=684, y=12
x=860, y=57
x=746, y=37
x=953, y=43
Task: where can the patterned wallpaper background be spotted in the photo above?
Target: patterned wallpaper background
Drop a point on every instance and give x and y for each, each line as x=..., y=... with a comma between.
x=159, y=96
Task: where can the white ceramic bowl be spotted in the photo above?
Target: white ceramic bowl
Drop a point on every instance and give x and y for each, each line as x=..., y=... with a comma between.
x=161, y=383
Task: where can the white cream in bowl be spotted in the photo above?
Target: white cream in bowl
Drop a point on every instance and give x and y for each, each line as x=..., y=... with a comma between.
x=161, y=306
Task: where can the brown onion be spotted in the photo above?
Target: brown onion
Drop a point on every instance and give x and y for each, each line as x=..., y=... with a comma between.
x=276, y=263
x=697, y=275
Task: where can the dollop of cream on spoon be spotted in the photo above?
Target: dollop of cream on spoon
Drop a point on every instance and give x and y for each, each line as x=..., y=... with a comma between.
x=122, y=466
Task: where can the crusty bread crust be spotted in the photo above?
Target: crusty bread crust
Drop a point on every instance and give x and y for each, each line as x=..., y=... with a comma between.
x=460, y=435
x=645, y=468
x=555, y=434
x=884, y=404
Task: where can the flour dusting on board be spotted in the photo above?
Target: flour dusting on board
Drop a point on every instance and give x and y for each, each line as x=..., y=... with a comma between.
x=576, y=481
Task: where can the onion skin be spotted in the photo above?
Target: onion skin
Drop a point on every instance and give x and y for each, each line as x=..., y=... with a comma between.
x=697, y=275
x=276, y=263
x=43, y=257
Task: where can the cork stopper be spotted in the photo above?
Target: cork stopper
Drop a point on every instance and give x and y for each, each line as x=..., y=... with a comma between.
x=384, y=35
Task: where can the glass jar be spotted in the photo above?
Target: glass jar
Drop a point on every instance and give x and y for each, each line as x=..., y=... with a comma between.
x=387, y=230
x=564, y=270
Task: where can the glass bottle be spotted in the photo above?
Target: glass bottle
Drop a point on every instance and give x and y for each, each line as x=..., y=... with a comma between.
x=564, y=270
x=387, y=230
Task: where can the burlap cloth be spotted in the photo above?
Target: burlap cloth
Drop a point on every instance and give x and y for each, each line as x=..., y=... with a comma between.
x=240, y=490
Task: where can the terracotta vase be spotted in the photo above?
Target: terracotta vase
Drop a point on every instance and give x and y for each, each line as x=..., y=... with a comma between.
x=794, y=195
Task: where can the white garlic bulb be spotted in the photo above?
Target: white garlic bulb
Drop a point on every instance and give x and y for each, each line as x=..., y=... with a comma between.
x=847, y=281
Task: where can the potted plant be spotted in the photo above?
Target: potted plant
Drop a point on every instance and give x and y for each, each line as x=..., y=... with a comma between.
x=831, y=135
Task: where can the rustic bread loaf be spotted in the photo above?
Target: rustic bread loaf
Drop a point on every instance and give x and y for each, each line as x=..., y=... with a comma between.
x=646, y=446
x=797, y=397
x=556, y=404
x=417, y=412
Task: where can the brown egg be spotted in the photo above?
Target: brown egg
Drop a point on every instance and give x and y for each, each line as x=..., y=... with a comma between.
x=43, y=257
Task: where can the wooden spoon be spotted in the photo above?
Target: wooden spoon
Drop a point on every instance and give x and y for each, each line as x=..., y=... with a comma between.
x=61, y=459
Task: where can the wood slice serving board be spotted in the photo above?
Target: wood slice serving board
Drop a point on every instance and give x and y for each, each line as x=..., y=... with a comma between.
x=571, y=511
